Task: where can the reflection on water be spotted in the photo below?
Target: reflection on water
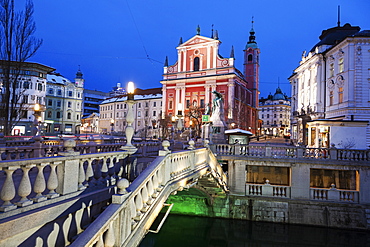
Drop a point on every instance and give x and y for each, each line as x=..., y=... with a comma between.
x=189, y=231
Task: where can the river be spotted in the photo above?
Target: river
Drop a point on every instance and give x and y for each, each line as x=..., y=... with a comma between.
x=190, y=231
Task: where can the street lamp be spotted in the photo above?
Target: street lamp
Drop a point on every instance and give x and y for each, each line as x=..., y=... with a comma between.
x=111, y=127
x=179, y=122
x=130, y=118
x=36, y=119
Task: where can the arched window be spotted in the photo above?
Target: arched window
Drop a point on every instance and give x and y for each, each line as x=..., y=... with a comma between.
x=250, y=58
x=196, y=64
x=69, y=115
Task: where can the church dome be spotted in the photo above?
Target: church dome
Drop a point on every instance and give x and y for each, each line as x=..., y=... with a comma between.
x=278, y=95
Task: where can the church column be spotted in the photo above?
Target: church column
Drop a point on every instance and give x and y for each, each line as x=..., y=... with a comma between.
x=209, y=47
x=183, y=98
x=177, y=100
x=207, y=99
x=179, y=52
x=164, y=101
x=230, y=100
x=184, y=61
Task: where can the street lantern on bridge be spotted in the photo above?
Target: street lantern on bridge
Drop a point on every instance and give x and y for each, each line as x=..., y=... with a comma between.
x=130, y=117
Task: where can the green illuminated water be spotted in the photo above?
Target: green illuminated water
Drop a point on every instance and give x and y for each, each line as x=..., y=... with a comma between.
x=190, y=231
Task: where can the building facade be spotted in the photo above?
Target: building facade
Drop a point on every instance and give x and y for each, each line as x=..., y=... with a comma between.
x=200, y=70
x=274, y=111
x=147, y=112
x=331, y=92
x=92, y=101
x=31, y=89
x=64, y=102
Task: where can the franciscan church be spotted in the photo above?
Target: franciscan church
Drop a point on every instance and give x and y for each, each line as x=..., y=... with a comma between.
x=200, y=71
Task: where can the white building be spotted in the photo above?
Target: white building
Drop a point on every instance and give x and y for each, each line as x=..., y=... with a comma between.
x=32, y=88
x=64, y=101
x=274, y=112
x=147, y=111
x=331, y=91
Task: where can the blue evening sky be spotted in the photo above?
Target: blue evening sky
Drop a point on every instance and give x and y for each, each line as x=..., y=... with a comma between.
x=112, y=39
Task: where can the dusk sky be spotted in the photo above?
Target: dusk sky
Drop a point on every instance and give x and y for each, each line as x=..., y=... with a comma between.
x=112, y=40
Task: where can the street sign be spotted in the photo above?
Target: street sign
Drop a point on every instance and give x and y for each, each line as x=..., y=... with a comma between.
x=205, y=118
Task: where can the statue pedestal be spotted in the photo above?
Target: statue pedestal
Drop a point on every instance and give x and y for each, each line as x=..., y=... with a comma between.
x=217, y=135
x=206, y=131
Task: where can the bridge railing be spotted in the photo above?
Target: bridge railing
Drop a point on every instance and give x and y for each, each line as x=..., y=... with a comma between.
x=38, y=148
x=290, y=152
x=139, y=203
x=30, y=181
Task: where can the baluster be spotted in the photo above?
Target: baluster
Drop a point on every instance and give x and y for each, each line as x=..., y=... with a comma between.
x=138, y=207
x=52, y=183
x=100, y=242
x=81, y=176
x=150, y=191
x=40, y=184
x=104, y=169
x=24, y=188
x=144, y=196
x=111, y=171
x=109, y=238
x=8, y=190
x=89, y=172
x=97, y=171
x=132, y=211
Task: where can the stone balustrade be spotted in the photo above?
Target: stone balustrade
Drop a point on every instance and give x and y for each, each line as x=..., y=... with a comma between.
x=267, y=190
x=132, y=212
x=290, y=152
x=334, y=195
x=45, y=148
x=52, y=177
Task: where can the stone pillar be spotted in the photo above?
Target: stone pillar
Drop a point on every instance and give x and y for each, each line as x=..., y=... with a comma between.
x=238, y=177
x=68, y=170
x=300, y=185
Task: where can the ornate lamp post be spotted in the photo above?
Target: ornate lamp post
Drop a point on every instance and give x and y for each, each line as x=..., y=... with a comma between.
x=36, y=120
x=111, y=127
x=179, y=122
x=130, y=118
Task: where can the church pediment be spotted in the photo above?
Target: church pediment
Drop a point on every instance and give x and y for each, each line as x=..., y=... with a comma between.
x=197, y=39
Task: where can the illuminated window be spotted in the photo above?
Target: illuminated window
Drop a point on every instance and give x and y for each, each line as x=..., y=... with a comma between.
x=331, y=70
x=341, y=65
x=340, y=95
x=331, y=98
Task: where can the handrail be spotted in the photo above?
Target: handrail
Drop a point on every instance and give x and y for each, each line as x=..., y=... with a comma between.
x=140, y=201
x=290, y=152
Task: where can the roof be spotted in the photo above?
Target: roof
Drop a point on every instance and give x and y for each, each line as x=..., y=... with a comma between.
x=58, y=79
x=333, y=36
x=136, y=97
x=238, y=132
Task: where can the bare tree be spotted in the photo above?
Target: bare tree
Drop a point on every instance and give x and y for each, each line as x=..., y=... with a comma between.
x=195, y=115
x=17, y=44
